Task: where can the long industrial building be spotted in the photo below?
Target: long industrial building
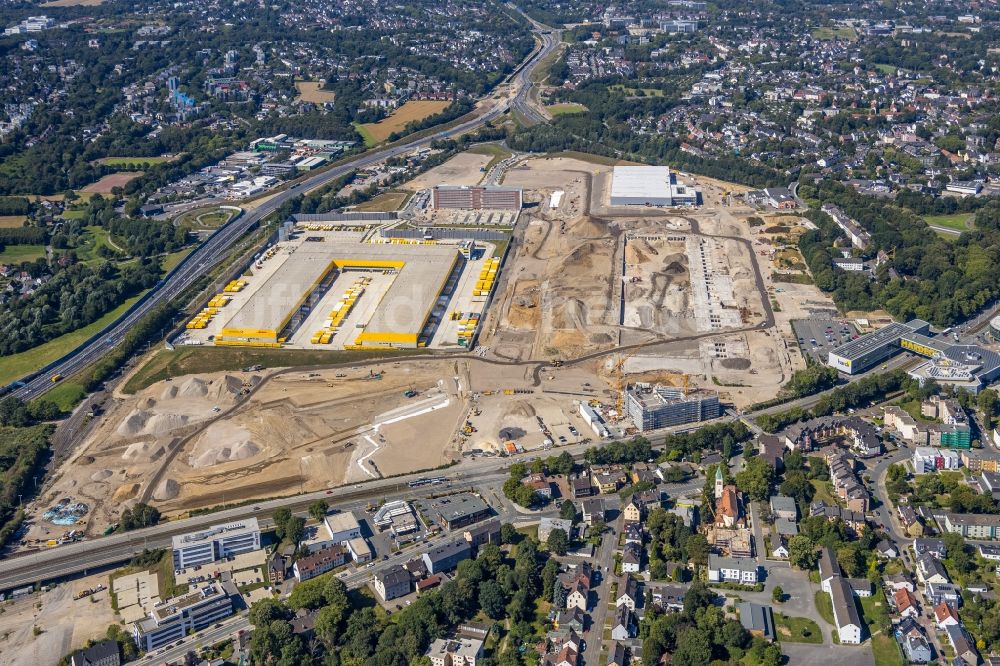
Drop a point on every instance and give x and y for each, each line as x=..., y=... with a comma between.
x=653, y=407
x=969, y=367
x=281, y=304
x=650, y=186
x=473, y=197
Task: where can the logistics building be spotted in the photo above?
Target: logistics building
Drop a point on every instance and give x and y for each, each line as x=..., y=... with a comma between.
x=215, y=543
x=472, y=197
x=650, y=186
x=858, y=355
x=653, y=407
x=283, y=302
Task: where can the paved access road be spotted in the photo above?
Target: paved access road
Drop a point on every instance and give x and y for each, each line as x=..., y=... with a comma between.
x=214, y=250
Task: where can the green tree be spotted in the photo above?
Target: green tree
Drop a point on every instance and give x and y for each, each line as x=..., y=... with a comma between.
x=778, y=594
x=802, y=553
x=280, y=518
x=567, y=511
x=694, y=648
x=558, y=541
x=265, y=611
x=697, y=549
x=318, y=509
x=295, y=529
x=508, y=534
x=755, y=479
x=492, y=599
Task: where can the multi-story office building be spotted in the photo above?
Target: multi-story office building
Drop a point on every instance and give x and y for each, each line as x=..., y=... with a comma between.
x=652, y=407
x=215, y=543
x=174, y=618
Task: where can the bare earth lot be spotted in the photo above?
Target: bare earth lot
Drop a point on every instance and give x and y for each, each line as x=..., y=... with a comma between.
x=311, y=91
x=462, y=169
x=111, y=181
x=410, y=111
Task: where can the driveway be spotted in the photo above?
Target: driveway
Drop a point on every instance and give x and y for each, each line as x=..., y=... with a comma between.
x=799, y=596
x=828, y=655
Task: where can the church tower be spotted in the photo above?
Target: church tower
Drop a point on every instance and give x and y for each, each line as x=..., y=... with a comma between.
x=719, y=482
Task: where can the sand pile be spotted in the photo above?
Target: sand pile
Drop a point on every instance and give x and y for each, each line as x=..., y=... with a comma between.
x=101, y=474
x=194, y=387
x=223, y=442
x=126, y=492
x=134, y=423
x=142, y=452
x=169, y=393
x=167, y=490
x=160, y=424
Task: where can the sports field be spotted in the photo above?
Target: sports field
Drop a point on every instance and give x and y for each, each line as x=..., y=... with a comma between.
x=414, y=110
x=107, y=183
x=567, y=107
x=311, y=91
x=138, y=161
x=956, y=221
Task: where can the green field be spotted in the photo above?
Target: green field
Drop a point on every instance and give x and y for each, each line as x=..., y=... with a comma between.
x=174, y=258
x=205, y=218
x=566, y=108
x=823, y=492
x=74, y=214
x=66, y=394
x=646, y=92
x=138, y=161
x=956, y=221
x=886, y=69
x=15, y=254
x=97, y=237
x=187, y=360
x=874, y=610
x=368, y=137
x=797, y=629
x=825, y=607
x=385, y=202
x=835, y=33
x=18, y=365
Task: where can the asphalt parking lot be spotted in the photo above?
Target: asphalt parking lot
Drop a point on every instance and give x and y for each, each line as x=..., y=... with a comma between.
x=817, y=337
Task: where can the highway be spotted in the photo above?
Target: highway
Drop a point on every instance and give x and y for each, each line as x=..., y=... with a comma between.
x=522, y=102
x=214, y=250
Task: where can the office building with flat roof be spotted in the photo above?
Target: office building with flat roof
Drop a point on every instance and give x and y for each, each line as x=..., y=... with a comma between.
x=476, y=197
x=454, y=511
x=868, y=350
x=174, y=618
x=215, y=543
x=653, y=407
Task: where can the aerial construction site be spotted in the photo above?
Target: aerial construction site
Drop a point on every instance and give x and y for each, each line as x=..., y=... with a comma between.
x=455, y=338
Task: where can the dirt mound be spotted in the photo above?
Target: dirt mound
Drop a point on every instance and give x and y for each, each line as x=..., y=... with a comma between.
x=169, y=393
x=160, y=424
x=232, y=384
x=85, y=460
x=587, y=227
x=520, y=409
x=101, y=474
x=194, y=387
x=570, y=314
x=126, y=492
x=142, y=452
x=219, y=455
x=735, y=363
x=578, y=258
x=134, y=423
x=167, y=490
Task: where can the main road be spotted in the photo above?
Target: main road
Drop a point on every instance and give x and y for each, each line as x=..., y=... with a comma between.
x=214, y=250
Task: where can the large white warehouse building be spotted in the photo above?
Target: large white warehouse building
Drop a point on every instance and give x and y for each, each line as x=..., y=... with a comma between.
x=650, y=186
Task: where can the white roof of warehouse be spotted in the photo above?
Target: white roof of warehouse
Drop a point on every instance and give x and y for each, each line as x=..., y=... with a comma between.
x=641, y=181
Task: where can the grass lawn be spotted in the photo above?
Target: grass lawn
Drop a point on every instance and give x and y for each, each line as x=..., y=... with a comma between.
x=529, y=531
x=15, y=254
x=171, y=260
x=797, y=629
x=366, y=134
x=835, y=33
x=74, y=214
x=67, y=394
x=138, y=161
x=97, y=237
x=18, y=365
x=593, y=159
x=886, y=69
x=956, y=221
x=874, y=611
x=825, y=607
x=499, y=153
x=565, y=108
x=646, y=92
x=886, y=651
x=387, y=201
x=187, y=360
x=823, y=492
x=205, y=218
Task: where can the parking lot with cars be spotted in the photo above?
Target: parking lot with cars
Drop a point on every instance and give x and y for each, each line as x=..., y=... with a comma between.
x=817, y=337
